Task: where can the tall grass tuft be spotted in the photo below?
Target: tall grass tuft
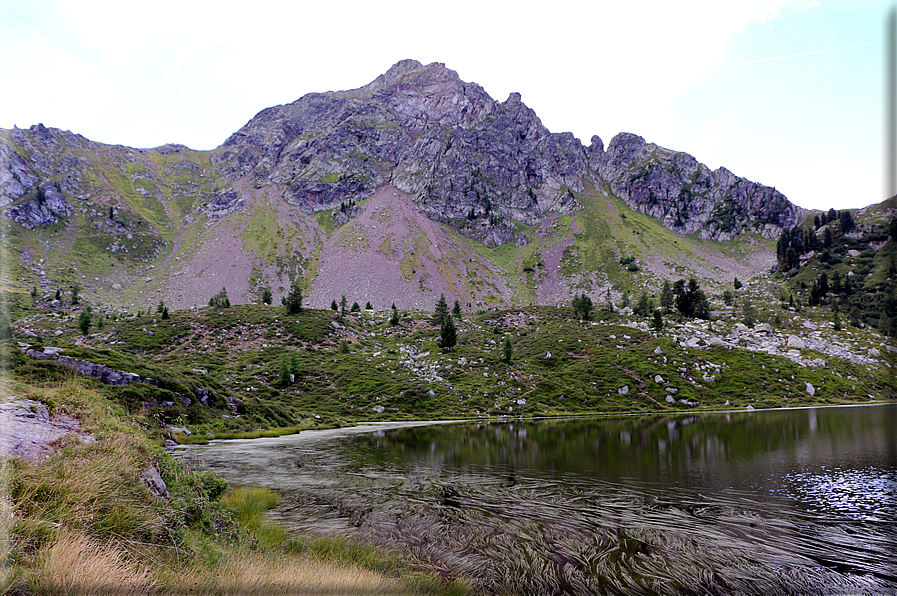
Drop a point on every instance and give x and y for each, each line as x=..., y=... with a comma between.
x=77, y=564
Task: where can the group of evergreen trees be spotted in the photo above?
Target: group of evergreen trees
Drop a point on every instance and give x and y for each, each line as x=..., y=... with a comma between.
x=792, y=244
x=685, y=297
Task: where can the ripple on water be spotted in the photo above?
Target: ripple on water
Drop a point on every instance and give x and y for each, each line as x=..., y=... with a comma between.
x=869, y=494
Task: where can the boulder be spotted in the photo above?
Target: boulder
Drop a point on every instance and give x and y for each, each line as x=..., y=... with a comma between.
x=762, y=328
x=623, y=390
x=810, y=389
x=154, y=483
x=796, y=342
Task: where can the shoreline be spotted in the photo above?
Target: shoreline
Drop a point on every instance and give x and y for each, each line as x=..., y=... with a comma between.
x=315, y=435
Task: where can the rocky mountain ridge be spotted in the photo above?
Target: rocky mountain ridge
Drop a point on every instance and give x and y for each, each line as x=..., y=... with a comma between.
x=468, y=158
x=271, y=205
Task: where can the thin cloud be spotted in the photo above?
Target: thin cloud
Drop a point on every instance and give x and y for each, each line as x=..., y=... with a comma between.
x=786, y=56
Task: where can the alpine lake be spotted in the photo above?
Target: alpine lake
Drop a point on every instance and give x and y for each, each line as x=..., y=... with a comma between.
x=789, y=501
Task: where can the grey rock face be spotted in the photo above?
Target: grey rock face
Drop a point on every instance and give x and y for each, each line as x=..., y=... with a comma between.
x=46, y=208
x=154, y=483
x=468, y=160
x=101, y=372
x=687, y=196
x=463, y=155
x=27, y=429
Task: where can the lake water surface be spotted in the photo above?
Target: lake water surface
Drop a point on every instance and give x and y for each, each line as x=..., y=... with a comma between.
x=796, y=501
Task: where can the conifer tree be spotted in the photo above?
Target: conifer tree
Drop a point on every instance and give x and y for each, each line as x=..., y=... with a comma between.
x=507, y=350
x=448, y=335
x=220, y=300
x=293, y=300
x=84, y=321
x=666, y=297
x=441, y=311
x=582, y=307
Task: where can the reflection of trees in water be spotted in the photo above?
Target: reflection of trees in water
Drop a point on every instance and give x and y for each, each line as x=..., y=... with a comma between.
x=715, y=450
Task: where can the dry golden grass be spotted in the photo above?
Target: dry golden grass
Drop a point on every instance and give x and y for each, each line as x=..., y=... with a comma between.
x=76, y=564
x=82, y=522
x=241, y=572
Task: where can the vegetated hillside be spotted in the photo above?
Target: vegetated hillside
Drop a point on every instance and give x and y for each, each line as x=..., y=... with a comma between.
x=469, y=196
x=253, y=367
x=845, y=262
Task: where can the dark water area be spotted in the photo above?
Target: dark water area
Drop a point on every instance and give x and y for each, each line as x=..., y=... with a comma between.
x=796, y=501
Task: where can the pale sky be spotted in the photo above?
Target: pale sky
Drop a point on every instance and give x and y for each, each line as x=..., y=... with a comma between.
x=788, y=93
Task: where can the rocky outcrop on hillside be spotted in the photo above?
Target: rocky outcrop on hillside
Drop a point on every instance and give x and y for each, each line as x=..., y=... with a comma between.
x=423, y=130
x=467, y=159
x=687, y=196
x=477, y=163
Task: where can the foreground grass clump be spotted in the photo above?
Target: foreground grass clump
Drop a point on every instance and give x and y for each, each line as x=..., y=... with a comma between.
x=83, y=521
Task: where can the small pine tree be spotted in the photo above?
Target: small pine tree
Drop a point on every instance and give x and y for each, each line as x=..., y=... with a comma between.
x=368, y=306
x=34, y=292
x=667, y=297
x=100, y=322
x=5, y=326
x=165, y=315
x=355, y=307
x=582, y=307
x=448, y=335
x=160, y=307
x=342, y=305
x=441, y=311
x=836, y=321
x=394, y=319
x=736, y=284
x=641, y=308
x=507, y=350
x=220, y=300
x=456, y=310
x=75, y=291
x=748, y=313
x=657, y=322
x=293, y=300
x=727, y=297
x=284, y=370
x=58, y=294
x=333, y=306
x=624, y=301
x=84, y=321
x=267, y=297
x=608, y=302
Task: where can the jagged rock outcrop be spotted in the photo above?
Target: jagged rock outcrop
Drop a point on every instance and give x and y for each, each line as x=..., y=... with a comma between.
x=478, y=163
x=687, y=196
x=467, y=159
x=421, y=128
x=28, y=430
x=46, y=208
x=101, y=372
